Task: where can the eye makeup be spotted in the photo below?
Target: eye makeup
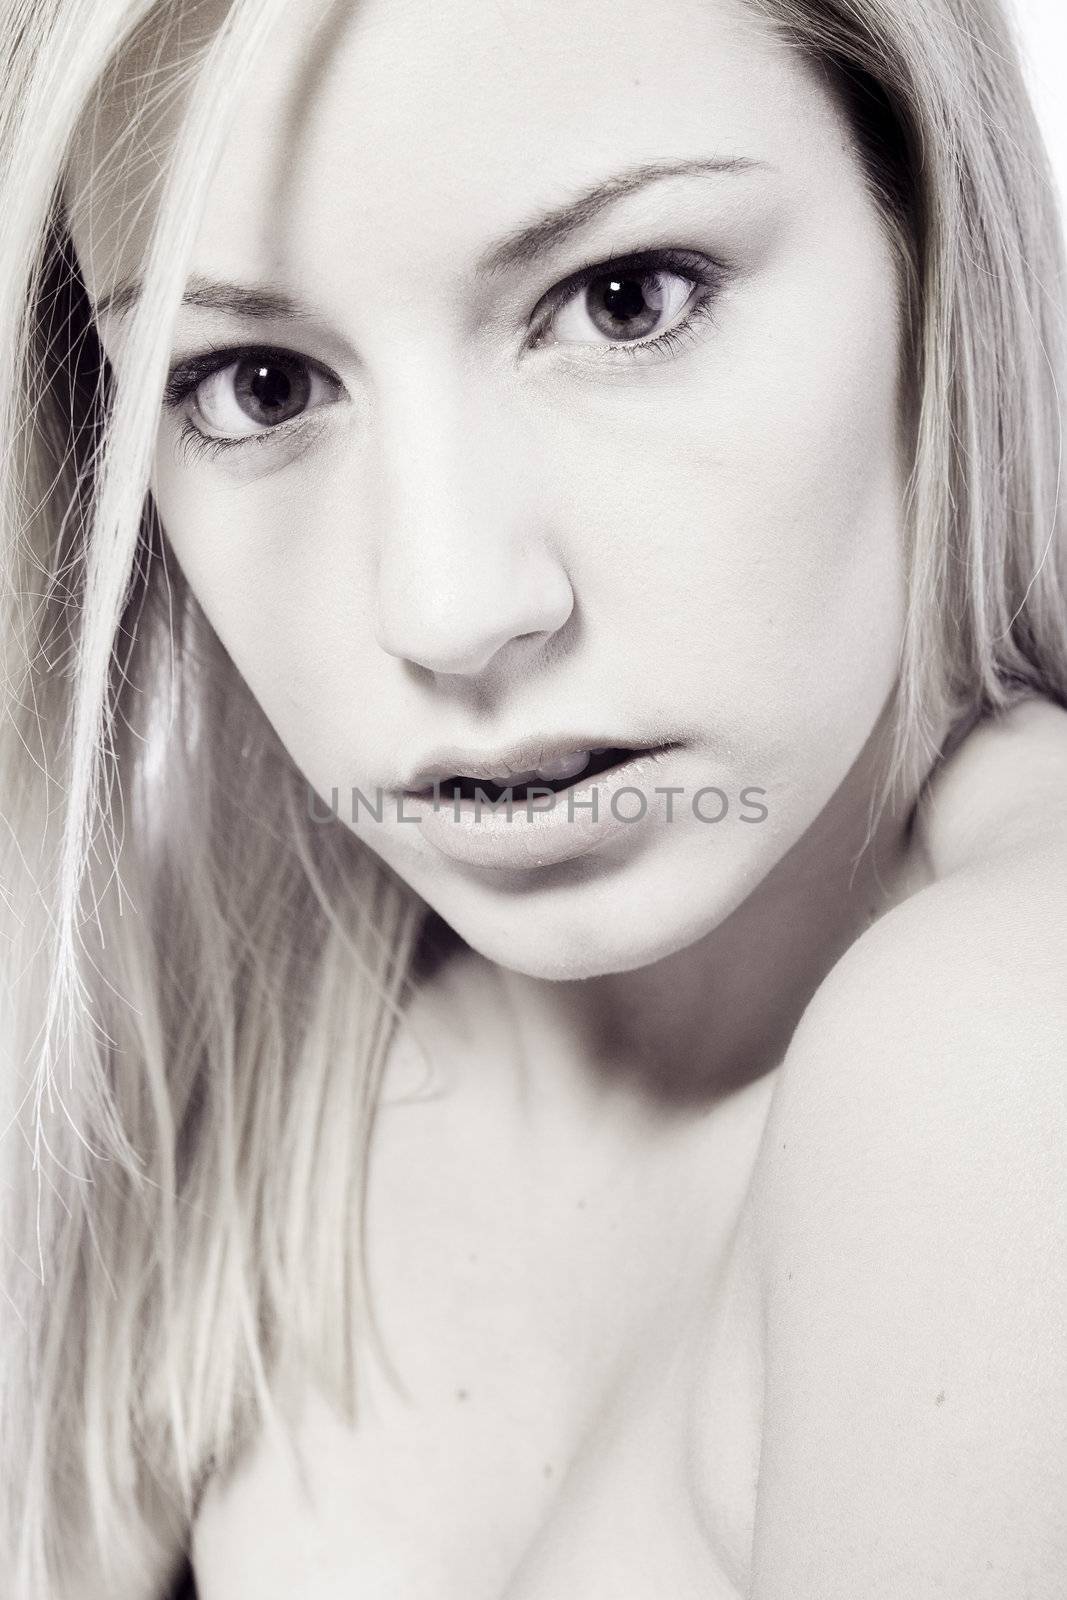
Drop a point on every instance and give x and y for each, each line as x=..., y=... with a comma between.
x=187, y=381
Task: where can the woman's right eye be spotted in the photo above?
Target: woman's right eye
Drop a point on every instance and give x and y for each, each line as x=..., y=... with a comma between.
x=250, y=395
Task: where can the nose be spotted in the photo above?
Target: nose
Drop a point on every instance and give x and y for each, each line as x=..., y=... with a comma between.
x=465, y=558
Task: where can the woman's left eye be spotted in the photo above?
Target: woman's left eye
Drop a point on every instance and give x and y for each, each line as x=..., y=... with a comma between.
x=637, y=306
x=245, y=394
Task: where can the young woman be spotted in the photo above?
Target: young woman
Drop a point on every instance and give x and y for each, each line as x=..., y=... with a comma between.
x=534, y=762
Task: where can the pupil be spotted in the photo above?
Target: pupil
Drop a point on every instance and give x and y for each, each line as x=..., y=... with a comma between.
x=625, y=298
x=270, y=388
x=272, y=391
x=625, y=301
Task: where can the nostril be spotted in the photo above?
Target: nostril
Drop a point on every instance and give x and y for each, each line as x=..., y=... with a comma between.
x=462, y=640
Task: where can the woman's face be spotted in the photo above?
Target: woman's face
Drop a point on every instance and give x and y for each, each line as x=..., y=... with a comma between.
x=476, y=502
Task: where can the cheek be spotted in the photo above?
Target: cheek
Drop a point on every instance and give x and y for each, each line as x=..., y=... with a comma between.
x=748, y=523
x=249, y=551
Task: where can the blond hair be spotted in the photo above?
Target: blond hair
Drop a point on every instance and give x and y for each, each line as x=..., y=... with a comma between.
x=200, y=984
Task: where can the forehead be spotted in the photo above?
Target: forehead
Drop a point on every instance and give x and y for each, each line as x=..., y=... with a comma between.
x=397, y=124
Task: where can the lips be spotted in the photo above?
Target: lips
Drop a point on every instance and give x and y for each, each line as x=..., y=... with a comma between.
x=581, y=770
x=561, y=768
x=549, y=760
x=537, y=834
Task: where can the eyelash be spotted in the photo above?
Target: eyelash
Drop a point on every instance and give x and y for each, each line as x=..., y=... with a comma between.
x=706, y=274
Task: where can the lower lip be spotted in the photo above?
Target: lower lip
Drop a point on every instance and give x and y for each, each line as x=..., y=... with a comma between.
x=547, y=828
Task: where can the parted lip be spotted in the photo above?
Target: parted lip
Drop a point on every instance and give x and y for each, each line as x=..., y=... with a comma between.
x=455, y=762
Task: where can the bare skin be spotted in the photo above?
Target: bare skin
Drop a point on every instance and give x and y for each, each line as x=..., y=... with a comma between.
x=581, y=1244
x=597, y=1332
x=579, y=1313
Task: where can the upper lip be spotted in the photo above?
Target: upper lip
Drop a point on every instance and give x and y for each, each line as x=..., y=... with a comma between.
x=453, y=762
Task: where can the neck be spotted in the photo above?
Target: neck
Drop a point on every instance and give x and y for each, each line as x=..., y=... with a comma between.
x=685, y=1030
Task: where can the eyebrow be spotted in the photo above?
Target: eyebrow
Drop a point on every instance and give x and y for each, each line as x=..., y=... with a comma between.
x=206, y=294
x=521, y=247
x=536, y=238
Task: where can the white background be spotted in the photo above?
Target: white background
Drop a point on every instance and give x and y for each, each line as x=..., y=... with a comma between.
x=1043, y=27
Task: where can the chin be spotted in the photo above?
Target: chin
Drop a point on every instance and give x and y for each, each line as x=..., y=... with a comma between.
x=583, y=923
x=571, y=955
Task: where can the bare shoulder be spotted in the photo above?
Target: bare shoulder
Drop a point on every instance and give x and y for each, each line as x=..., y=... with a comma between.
x=976, y=960
x=981, y=948
x=1005, y=787
x=910, y=1208
x=980, y=951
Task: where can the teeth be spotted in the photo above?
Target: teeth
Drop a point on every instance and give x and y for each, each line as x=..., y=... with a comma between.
x=567, y=766
x=553, y=771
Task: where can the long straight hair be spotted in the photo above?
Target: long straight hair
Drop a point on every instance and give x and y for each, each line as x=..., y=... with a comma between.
x=200, y=981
